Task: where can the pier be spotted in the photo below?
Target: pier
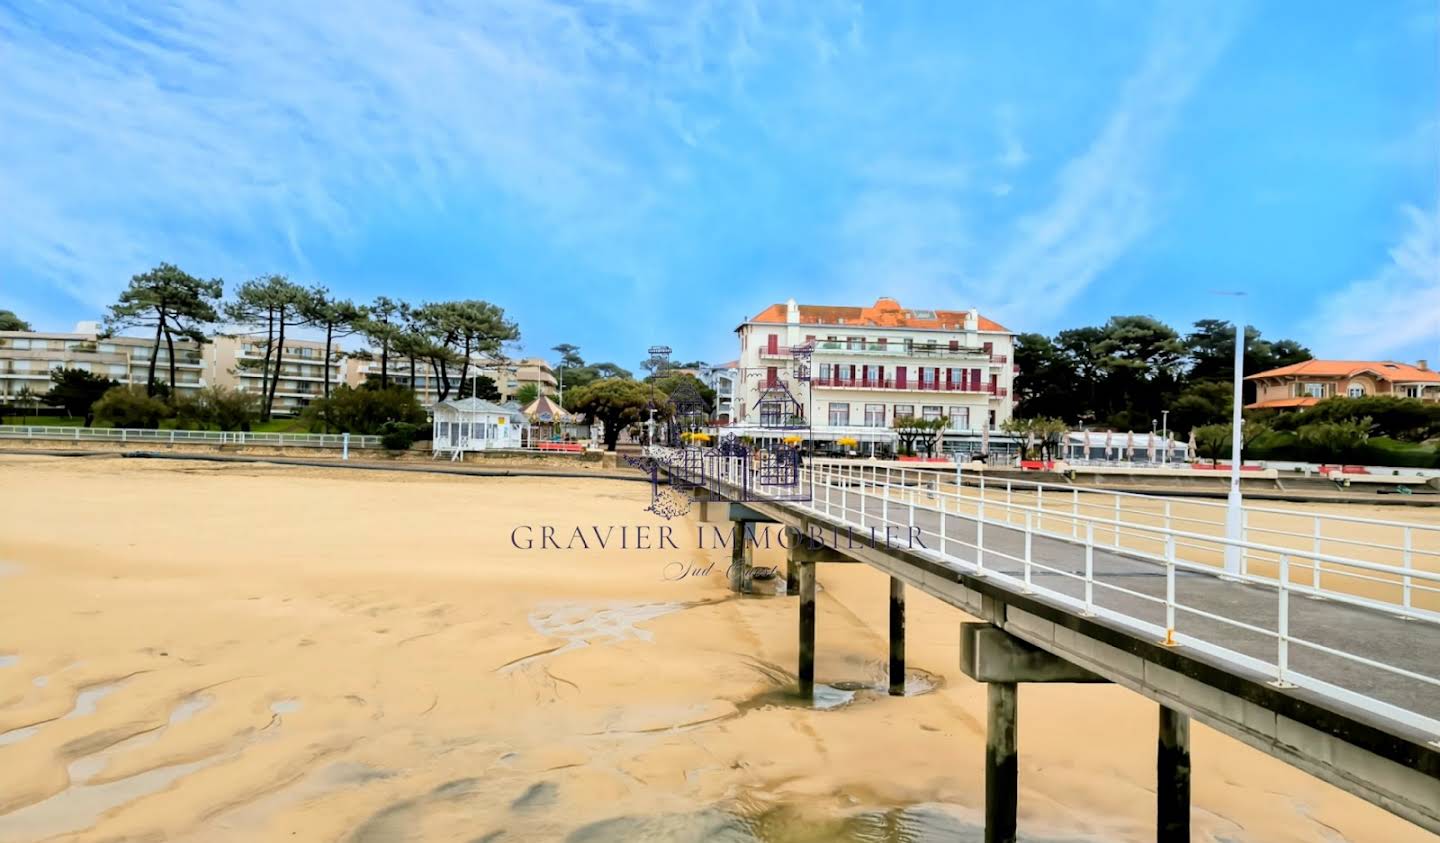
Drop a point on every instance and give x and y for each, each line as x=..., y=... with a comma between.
x=1280, y=656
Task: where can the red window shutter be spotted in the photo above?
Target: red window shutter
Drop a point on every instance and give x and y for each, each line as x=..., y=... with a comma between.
x=900, y=377
x=949, y=378
x=880, y=374
x=771, y=374
x=995, y=384
x=989, y=348
x=975, y=379
x=955, y=345
x=774, y=344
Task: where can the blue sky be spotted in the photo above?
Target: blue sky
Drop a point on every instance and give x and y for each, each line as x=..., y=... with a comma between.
x=630, y=172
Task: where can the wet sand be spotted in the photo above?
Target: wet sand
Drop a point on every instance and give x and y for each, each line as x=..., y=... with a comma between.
x=207, y=652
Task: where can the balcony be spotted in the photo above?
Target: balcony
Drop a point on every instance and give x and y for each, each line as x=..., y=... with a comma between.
x=908, y=386
x=900, y=349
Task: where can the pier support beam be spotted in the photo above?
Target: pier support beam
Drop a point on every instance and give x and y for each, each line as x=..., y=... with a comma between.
x=806, y=671
x=1002, y=771
x=991, y=655
x=741, y=556
x=897, y=637
x=1172, y=778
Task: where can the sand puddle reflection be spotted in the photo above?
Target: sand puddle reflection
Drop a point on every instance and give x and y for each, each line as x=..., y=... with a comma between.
x=581, y=625
x=85, y=704
x=831, y=695
x=81, y=804
x=929, y=823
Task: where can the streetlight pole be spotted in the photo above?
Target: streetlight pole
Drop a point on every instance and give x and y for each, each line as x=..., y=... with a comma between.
x=1233, y=511
x=1165, y=435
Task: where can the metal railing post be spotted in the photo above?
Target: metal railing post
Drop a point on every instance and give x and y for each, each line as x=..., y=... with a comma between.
x=1029, y=534
x=1244, y=537
x=1408, y=565
x=980, y=531
x=944, y=540
x=1090, y=568
x=1040, y=505
x=1075, y=514
x=1315, y=572
x=1170, y=590
x=1282, y=661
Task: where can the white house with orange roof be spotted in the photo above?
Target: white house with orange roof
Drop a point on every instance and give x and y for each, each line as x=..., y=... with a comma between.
x=851, y=371
x=1307, y=383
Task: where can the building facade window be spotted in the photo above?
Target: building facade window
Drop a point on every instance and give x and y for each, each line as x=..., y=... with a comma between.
x=959, y=418
x=904, y=411
x=839, y=415
x=874, y=415
x=1356, y=391
x=931, y=412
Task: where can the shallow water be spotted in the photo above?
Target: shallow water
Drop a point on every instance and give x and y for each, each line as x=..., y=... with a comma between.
x=81, y=804
x=786, y=824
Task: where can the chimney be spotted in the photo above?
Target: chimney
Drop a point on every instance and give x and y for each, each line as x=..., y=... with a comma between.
x=1422, y=365
x=972, y=320
x=792, y=312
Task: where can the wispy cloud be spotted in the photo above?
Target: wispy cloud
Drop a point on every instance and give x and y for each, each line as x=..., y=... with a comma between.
x=921, y=241
x=1012, y=151
x=154, y=132
x=1396, y=310
x=1105, y=198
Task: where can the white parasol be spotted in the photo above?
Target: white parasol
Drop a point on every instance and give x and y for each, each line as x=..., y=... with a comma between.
x=1130, y=446
x=1190, y=448
x=984, y=438
x=1150, y=448
x=1109, y=448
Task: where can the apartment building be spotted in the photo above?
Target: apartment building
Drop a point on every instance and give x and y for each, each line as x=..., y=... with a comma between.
x=239, y=362
x=851, y=371
x=722, y=379
x=28, y=357
x=509, y=376
x=1307, y=383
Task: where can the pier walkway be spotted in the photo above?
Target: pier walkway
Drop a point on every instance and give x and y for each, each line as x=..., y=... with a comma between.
x=1324, y=660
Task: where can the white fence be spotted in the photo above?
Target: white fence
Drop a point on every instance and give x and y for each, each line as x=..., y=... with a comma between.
x=1149, y=529
x=173, y=437
x=1390, y=566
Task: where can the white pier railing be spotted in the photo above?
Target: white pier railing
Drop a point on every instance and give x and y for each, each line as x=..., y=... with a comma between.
x=1392, y=567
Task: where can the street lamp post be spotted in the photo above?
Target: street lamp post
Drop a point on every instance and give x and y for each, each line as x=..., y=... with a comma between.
x=1165, y=435
x=1234, y=513
x=1234, y=519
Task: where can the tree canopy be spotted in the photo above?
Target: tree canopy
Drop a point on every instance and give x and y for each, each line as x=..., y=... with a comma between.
x=10, y=322
x=174, y=303
x=1124, y=373
x=615, y=402
x=76, y=391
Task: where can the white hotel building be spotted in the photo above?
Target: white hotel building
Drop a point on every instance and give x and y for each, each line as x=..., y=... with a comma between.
x=868, y=366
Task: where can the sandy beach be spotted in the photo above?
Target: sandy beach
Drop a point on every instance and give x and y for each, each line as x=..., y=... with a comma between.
x=212, y=652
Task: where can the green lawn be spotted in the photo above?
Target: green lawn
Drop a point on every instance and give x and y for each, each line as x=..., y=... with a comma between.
x=281, y=426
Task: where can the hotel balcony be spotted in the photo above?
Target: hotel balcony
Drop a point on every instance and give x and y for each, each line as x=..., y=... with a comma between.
x=907, y=386
x=885, y=349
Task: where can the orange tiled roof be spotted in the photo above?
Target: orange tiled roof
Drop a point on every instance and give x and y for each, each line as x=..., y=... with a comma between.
x=1386, y=369
x=1282, y=403
x=886, y=313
